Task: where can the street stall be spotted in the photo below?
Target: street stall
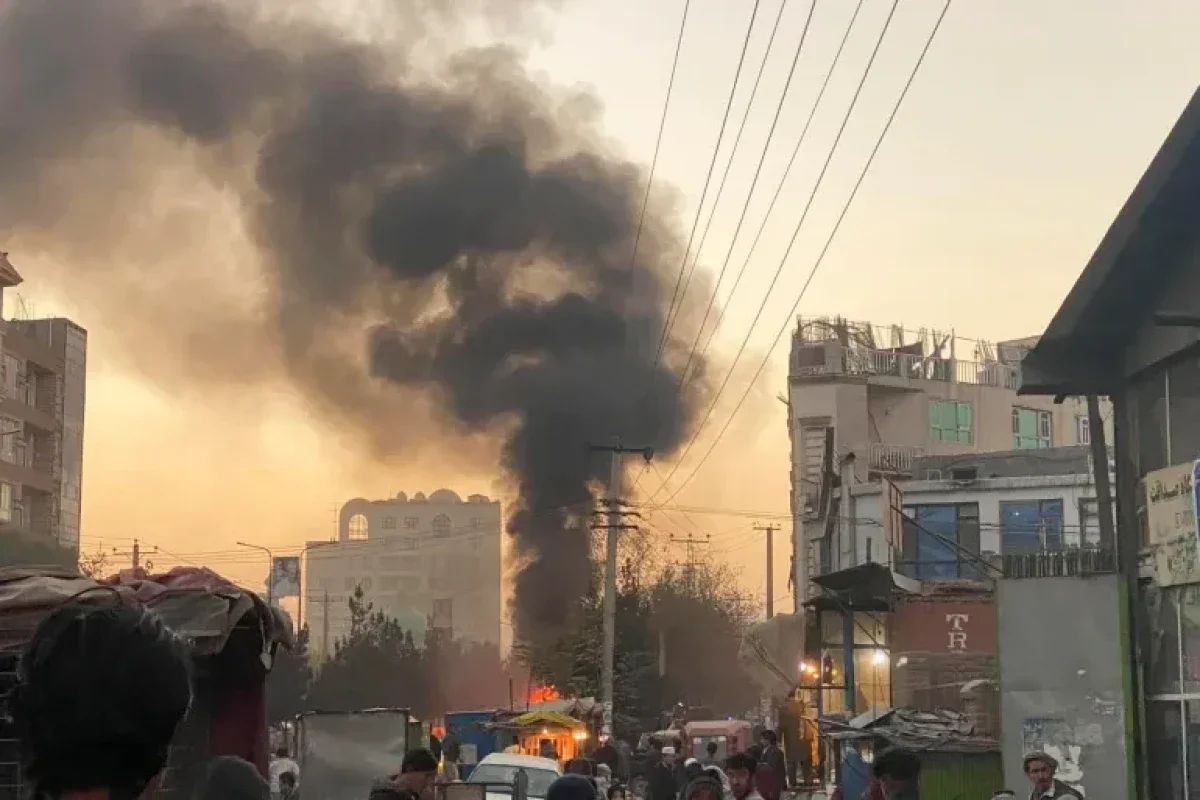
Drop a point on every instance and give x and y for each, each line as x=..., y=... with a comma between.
x=551, y=734
x=232, y=633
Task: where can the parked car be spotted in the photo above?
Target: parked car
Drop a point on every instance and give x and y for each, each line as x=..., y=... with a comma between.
x=498, y=772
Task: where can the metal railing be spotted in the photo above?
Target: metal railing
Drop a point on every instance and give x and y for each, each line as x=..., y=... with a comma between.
x=832, y=358
x=894, y=458
x=1068, y=562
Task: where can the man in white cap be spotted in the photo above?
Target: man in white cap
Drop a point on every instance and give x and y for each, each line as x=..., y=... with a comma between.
x=1040, y=768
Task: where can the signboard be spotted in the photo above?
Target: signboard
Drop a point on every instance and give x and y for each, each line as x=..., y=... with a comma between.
x=953, y=626
x=893, y=515
x=1171, y=523
x=285, y=577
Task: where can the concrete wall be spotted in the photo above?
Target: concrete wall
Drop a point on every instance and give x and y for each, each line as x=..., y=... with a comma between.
x=1061, y=680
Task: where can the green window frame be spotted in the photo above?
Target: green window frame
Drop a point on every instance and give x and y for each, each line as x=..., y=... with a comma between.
x=951, y=421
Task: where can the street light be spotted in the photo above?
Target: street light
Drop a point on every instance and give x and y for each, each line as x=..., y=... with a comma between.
x=270, y=568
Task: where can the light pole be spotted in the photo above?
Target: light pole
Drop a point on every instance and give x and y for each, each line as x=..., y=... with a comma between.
x=270, y=569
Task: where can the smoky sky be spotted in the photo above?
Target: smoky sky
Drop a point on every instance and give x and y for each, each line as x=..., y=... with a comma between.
x=440, y=227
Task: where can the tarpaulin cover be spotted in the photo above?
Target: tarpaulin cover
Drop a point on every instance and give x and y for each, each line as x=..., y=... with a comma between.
x=534, y=719
x=196, y=603
x=342, y=755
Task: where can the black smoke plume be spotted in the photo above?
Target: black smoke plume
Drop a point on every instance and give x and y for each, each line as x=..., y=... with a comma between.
x=434, y=206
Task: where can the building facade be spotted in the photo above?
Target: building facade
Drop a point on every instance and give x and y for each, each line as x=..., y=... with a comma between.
x=43, y=393
x=431, y=561
x=880, y=398
x=1129, y=329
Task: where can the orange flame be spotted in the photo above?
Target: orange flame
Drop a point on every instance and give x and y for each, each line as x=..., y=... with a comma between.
x=543, y=694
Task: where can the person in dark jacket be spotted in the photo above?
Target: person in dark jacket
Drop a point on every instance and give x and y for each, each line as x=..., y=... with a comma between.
x=661, y=780
x=772, y=768
x=232, y=778
x=899, y=774
x=572, y=787
x=704, y=787
x=101, y=690
x=418, y=772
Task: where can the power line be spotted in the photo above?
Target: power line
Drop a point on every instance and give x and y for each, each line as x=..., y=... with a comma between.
x=795, y=233
x=680, y=283
x=737, y=281
x=828, y=242
x=753, y=183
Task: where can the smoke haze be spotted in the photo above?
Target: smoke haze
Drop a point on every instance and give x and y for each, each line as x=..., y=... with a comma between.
x=425, y=233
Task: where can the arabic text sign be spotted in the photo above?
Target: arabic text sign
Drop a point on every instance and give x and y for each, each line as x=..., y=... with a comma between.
x=1171, y=523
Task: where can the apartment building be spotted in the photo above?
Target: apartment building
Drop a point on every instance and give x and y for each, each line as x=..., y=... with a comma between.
x=43, y=381
x=426, y=561
x=888, y=396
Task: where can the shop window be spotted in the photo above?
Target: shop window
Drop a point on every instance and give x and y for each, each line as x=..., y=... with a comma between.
x=1031, y=526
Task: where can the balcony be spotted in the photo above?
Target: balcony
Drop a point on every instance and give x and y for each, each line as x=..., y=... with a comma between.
x=893, y=459
x=825, y=359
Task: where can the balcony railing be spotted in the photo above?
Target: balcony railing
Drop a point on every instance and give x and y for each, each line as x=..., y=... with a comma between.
x=894, y=458
x=821, y=359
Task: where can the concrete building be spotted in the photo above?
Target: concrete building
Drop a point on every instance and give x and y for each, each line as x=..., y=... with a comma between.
x=43, y=386
x=890, y=396
x=970, y=506
x=1129, y=329
x=426, y=561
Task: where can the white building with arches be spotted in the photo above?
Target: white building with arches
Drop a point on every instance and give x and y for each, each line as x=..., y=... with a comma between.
x=425, y=561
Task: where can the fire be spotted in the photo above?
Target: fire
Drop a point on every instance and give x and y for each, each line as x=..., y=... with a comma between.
x=543, y=694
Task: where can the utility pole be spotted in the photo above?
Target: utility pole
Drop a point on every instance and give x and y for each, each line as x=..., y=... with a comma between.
x=616, y=523
x=769, y=530
x=690, y=543
x=848, y=535
x=1104, y=503
x=135, y=556
x=325, y=627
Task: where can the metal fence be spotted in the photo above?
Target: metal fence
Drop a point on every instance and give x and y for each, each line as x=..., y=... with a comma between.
x=1071, y=562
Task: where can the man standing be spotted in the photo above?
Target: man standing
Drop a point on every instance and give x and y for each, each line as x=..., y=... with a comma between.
x=418, y=772
x=740, y=768
x=1040, y=769
x=710, y=758
x=899, y=774
x=772, y=768
x=662, y=776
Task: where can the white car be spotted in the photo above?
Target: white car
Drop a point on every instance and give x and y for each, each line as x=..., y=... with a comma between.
x=499, y=770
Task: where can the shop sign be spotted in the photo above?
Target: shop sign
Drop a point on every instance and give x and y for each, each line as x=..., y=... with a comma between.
x=1171, y=523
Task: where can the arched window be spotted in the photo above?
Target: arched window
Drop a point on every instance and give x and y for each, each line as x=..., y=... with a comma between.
x=441, y=526
x=358, y=527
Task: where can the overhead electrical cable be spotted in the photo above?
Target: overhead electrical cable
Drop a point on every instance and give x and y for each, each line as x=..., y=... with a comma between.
x=824, y=250
x=795, y=233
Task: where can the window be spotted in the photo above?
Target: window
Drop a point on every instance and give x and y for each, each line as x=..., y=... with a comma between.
x=389, y=582
x=408, y=543
x=411, y=523
x=390, y=563
x=1031, y=429
x=1089, y=523
x=941, y=541
x=1031, y=526
x=1083, y=429
x=476, y=523
x=389, y=523
x=6, y=503
x=441, y=526
x=358, y=527
x=366, y=583
x=950, y=421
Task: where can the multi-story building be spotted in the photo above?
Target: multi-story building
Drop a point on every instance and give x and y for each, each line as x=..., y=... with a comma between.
x=425, y=561
x=875, y=399
x=43, y=379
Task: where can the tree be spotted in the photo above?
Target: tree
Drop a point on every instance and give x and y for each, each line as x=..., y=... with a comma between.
x=288, y=680
x=376, y=665
x=95, y=565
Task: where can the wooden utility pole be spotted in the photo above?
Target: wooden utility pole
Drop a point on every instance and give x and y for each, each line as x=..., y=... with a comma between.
x=769, y=530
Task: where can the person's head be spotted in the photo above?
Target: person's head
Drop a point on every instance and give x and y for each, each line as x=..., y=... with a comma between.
x=703, y=787
x=1004, y=794
x=287, y=781
x=616, y=792
x=740, y=768
x=418, y=771
x=571, y=787
x=603, y=771
x=897, y=769
x=668, y=754
x=769, y=739
x=1040, y=768
x=231, y=778
x=693, y=769
x=711, y=747
x=100, y=693
x=281, y=752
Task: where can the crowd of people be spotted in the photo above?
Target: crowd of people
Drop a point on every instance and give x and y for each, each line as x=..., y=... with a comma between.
x=103, y=689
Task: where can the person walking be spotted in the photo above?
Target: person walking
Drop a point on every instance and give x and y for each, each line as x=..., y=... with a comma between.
x=661, y=780
x=1040, y=769
x=741, y=769
x=771, y=776
x=418, y=773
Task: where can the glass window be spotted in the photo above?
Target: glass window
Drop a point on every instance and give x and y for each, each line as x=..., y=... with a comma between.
x=1031, y=428
x=941, y=541
x=1031, y=526
x=358, y=527
x=1083, y=429
x=6, y=504
x=389, y=523
x=412, y=522
x=441, y=526
x=950, y=421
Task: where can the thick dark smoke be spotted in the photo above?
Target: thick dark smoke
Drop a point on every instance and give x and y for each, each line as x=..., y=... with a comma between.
x=449, y=219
